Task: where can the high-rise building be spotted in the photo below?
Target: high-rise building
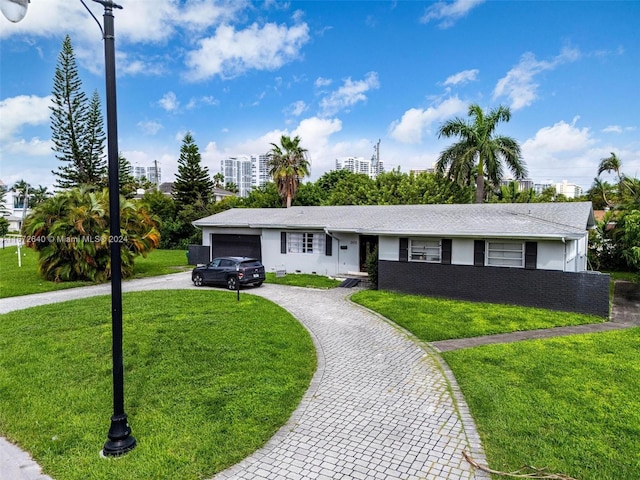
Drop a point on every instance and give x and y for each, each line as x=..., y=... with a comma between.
x=524, y=184
x=152, y=173
x=246, y=172
x=357, y=165
x=569, y=190
x=238, y=170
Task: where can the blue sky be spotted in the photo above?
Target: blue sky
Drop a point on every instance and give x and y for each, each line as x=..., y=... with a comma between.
x=341, y=75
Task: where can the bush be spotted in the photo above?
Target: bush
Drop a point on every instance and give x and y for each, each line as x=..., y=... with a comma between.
x=372, y=267
x=71, y=234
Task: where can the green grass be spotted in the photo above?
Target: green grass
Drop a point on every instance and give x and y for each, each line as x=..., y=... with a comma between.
x=303, y=280
x=208, y=380
x=161, y=262
x=432, y=319
x=571, y=404
x=25, y=280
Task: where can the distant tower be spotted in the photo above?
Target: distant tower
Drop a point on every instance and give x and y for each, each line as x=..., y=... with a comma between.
x=376, y=164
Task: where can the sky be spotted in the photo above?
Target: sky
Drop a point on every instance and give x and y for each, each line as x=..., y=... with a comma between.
x=341, y=75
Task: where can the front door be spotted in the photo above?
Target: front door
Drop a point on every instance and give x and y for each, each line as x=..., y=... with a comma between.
x=368, y=243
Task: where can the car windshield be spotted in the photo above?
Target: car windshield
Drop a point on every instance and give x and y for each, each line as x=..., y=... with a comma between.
x=250, y=263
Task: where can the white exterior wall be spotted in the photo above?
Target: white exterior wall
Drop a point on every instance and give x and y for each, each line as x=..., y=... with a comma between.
x=552, y=255
x=340, y=262
x=349, y=257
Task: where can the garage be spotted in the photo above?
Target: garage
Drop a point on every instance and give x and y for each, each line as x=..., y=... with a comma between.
x=223, y=245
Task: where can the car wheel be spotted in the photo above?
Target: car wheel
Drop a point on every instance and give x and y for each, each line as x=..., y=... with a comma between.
x=198, y=280
x=232, y=283
x=257, y=284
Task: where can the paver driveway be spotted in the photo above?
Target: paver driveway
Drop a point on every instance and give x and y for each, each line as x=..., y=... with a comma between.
x=379, y=406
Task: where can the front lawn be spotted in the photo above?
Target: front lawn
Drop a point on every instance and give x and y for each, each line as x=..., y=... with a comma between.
x=25, y=280
x=432, y=319
x=208, y=380
x=303, y=280
x=571, y=404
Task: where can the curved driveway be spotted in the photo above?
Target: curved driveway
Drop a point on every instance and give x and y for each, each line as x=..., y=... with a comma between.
x=380, y=405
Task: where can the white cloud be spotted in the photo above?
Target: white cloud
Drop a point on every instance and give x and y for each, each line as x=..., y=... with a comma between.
x=322, y=82
x=137, y=22
x=562, y=149
x=462, y=77
x=449, y=13
x=618, y=129
x=230, y=53
x=22, y=110
x=519, y=85
x=561, y=137
x=169, y=102
x=150, y=127
x=297, y=108
x=350, y=93
x=416, y=121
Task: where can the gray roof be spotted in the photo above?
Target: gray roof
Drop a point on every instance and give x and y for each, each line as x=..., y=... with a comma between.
x=514, y=220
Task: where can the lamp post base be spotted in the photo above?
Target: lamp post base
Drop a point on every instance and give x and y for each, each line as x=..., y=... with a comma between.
x=120, y=439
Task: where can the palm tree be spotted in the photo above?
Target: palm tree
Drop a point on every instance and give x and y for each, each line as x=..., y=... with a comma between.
x=598, y=194
x=70, y=232
x=479, y=153
x=38, y=195
x=611, y=164
x=22, y=189
x=288, y=164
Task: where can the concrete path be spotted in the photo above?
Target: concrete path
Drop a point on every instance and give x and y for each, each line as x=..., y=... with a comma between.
x=379, y=407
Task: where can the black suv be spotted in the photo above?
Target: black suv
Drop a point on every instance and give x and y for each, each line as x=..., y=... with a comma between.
x=229, y=271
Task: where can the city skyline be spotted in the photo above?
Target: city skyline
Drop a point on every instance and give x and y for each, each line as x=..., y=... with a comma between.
x=341, y=75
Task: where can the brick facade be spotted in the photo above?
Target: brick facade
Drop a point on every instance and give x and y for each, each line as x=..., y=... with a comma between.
x=570, y=292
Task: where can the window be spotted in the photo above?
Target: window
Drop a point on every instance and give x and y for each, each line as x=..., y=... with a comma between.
x=306, y=243
x=505, y=254
x=425, y=251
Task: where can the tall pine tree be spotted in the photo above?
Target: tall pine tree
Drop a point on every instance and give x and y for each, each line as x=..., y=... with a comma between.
x=193, y=184
x=77, y=126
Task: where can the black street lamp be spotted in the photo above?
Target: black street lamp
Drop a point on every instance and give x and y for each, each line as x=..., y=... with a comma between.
x=120, y=439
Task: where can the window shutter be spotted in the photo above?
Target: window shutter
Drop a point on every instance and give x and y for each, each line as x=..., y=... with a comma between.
x=530, y=255
x=328, y=245
x=478, y=253
x=404, y=250
x=446, y=251
x=283, y=242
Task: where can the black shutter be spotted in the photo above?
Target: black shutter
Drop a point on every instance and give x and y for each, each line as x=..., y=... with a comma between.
x=283, y=242
x=530, y=255
x=478, y=253
x=446, y=251
x=328, y=245
x=404, y=250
